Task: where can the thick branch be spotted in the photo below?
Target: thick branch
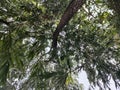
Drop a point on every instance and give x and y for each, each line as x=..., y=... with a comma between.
x=72, y=8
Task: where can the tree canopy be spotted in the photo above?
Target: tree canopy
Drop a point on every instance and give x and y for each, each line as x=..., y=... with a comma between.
x=88, y=39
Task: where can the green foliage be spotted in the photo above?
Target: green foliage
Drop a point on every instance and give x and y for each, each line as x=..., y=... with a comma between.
x=90, y=41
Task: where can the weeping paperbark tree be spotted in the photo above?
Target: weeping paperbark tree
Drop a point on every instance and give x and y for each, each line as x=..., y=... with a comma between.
x=30, y=29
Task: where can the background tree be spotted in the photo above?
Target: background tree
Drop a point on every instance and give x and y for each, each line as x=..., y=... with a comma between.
x=89, y=42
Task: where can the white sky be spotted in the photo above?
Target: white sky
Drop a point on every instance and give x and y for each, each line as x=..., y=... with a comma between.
x=83, y=80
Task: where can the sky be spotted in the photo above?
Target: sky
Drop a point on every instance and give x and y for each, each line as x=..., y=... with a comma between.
x=83, y=80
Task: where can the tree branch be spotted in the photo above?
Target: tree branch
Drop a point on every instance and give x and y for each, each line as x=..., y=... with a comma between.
x=72, y=8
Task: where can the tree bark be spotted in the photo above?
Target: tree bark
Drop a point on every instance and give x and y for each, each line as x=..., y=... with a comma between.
x=72, y=8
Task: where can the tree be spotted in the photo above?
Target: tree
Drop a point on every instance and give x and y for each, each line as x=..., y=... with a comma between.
x=88, y=40
x=72, y=8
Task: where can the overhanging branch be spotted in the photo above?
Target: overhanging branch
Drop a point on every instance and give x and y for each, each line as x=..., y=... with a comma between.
x=72, y=9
